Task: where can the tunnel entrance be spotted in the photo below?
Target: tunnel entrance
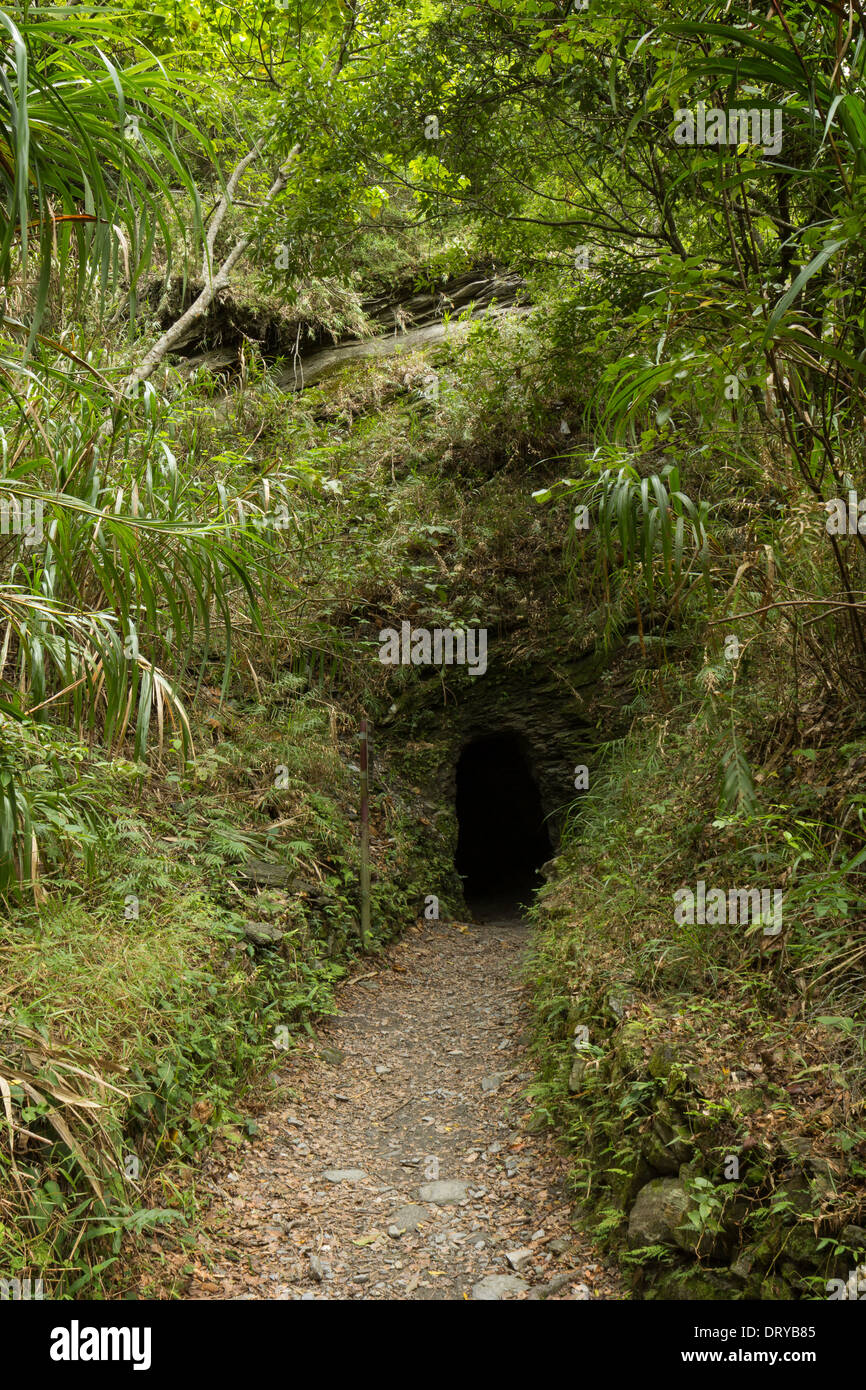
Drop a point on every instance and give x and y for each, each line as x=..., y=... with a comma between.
x=502, y=840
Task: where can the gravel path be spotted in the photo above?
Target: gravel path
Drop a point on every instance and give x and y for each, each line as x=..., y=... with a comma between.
x=400, y=1169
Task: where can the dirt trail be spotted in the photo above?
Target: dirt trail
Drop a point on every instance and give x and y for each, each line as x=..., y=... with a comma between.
x=419, y=1081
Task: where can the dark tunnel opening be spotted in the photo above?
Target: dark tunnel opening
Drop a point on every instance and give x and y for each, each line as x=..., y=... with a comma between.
x=502, y=840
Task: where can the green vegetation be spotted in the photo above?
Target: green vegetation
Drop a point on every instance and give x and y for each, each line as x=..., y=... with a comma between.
x=639, y=463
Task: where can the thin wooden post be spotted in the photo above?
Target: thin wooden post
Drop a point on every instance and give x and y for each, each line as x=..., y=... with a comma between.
x=365, y=837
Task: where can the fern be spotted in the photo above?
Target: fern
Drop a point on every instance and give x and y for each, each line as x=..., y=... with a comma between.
x=738, y=787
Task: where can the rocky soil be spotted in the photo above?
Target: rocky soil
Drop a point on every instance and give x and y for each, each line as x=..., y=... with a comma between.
x=400, y=1168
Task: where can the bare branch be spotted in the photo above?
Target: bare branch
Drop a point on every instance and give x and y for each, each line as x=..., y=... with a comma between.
x=213, y=283
x=224, y=204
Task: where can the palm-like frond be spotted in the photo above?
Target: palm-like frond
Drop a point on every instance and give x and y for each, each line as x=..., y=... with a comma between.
x=87, y=152
x=99, y=621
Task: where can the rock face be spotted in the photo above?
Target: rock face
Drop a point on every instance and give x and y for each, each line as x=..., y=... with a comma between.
x=444, y=1191
x=402, y=315
x=699, y=1286
x=659, y=1210
x=741, y=1247
x=263, y=934
x=344, y=1174
x=575, y=1076
x=332, y=1055
x=409, y=1218
x=541, y=711
x=658, y=1217
x=666, y=1147
x=494, y=1081
x=495, y=1286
